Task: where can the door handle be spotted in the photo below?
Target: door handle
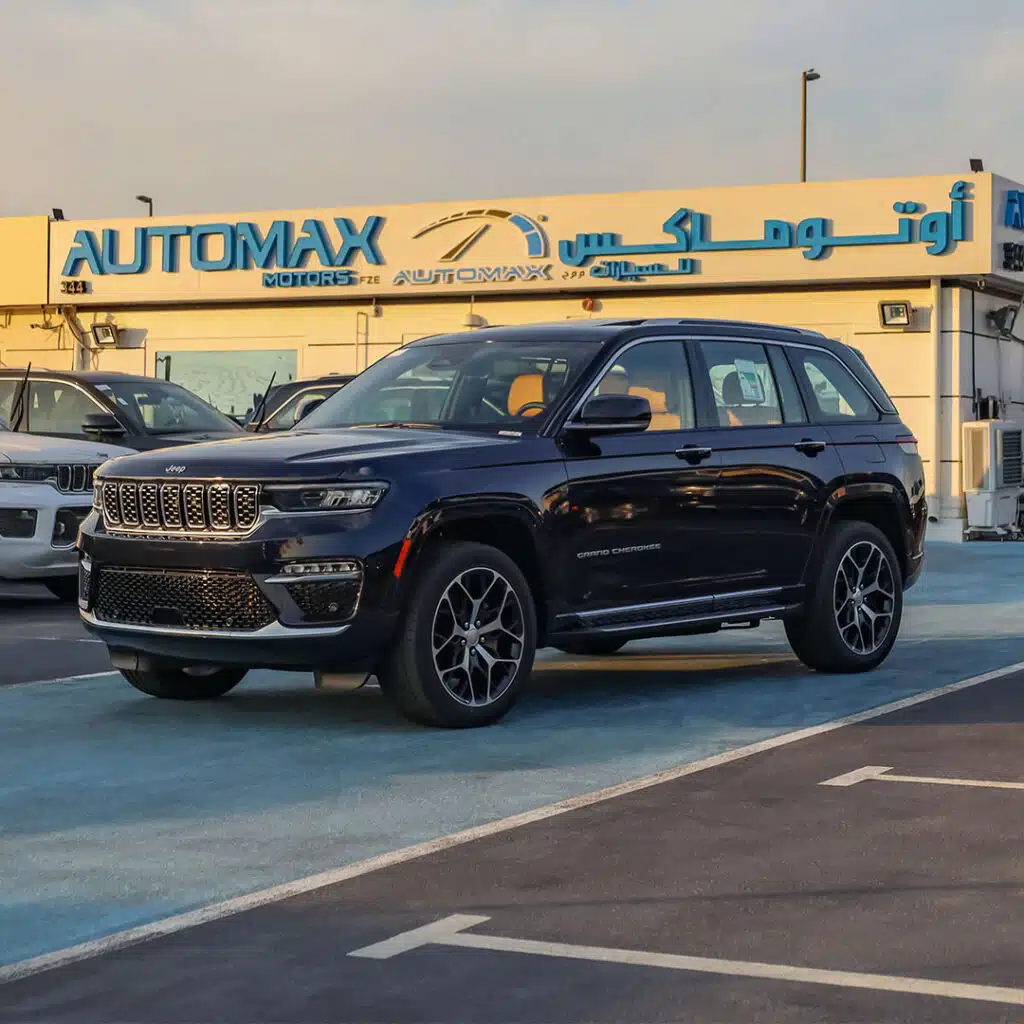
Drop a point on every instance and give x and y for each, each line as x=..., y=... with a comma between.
x=809, y=447
x=693, y=454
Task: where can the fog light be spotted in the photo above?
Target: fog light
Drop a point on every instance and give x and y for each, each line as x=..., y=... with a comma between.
x=342, y=568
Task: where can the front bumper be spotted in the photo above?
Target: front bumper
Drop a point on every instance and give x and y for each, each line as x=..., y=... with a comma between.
x=285, y=631
x=39, y=556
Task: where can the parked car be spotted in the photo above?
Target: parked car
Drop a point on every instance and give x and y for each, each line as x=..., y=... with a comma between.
x=286, y=404
x=140, y=412
x=46, y=488
x=472, y=498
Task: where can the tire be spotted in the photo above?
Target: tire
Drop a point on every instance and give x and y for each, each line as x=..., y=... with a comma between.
x=425, y=674
x=833, y=634
x=176, y=684
x=64, y=588
x=593, y=646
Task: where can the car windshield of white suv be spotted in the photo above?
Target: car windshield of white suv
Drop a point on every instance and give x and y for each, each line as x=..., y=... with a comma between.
x=480, y=384
x=164, y=408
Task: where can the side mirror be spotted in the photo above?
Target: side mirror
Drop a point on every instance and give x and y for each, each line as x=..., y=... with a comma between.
x=612, y=414
x=106, y=424
x=306, y=406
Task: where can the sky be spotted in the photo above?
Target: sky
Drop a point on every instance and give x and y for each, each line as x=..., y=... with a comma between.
x=247, y=105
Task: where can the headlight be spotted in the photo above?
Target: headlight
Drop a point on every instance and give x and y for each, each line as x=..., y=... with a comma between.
x=29, y=474
x=325, y=497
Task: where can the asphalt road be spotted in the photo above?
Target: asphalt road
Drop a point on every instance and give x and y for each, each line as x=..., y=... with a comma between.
x=802, y=902
x=41, y=638
x=117, y=810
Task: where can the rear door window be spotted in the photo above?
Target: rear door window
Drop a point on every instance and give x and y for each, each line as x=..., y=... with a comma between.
x=742, y=384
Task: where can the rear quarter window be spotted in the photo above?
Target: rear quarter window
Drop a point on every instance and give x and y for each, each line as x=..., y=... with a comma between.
x=835, y=393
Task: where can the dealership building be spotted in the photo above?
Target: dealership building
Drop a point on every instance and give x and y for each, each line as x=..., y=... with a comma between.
x=923, y=275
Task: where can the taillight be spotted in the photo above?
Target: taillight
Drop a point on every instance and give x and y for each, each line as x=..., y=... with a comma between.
x=908, y=444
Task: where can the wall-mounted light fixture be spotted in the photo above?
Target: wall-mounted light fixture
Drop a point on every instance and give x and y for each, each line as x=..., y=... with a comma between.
x=104, y=335
x=1004, y=318
x=977, y=165
x=895, y=314
x=58, y=213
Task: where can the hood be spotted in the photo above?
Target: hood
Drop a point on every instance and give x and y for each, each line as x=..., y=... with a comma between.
x=304, y=454
x=27, y=448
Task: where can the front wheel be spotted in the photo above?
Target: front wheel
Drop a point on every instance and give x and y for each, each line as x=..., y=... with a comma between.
x=466, y=644
x=177, y=684
x=853, y=612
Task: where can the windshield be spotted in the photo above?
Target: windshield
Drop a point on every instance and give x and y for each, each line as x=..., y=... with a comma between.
x=484, y=385
x=161, y=407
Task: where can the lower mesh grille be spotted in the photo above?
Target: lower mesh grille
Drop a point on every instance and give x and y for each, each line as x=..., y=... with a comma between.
x=187, y=599
x=326, y=600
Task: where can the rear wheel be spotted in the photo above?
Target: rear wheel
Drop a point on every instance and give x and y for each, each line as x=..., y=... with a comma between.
x=593, y=646
x=64, y=588
x=466, y=644
x=177, y=684
x=853, y=613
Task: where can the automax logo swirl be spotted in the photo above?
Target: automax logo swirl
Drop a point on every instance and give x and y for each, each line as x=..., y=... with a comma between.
x=534, y=237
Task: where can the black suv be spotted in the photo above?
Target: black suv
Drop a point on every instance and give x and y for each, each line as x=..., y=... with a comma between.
x=118, y=408
x=472, y=497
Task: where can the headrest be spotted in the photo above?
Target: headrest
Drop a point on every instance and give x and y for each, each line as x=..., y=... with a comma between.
x=526, y=388
x=732, y=393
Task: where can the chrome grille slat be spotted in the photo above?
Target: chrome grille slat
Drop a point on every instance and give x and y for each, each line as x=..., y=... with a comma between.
x=195, y=506
x=129, y=495
x=187, y=508
x=219, y=500
x=63, y=478
x=79, y=476
x=149, y=504
x=170, y=505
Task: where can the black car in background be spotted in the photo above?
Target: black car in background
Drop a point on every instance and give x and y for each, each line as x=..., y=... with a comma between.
x=118, y=408
x=286, y=404
x=472, y=498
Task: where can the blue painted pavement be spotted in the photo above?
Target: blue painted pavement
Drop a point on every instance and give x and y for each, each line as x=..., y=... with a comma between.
x=117, y=809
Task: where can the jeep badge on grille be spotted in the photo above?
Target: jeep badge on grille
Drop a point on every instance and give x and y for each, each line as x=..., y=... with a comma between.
x=175, y=469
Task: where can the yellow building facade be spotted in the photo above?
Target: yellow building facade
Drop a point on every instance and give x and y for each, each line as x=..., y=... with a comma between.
x=221, y=302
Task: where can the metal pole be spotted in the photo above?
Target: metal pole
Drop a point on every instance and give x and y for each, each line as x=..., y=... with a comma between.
x=803, y=126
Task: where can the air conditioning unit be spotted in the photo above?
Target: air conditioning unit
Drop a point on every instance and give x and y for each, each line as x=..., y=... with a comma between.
x=993, y=473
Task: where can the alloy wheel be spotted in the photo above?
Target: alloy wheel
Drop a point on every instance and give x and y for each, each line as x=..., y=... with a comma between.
x=864, y=597
x=478, y=636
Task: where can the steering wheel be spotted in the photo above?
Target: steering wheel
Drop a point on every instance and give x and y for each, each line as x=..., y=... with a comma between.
x=529, y=405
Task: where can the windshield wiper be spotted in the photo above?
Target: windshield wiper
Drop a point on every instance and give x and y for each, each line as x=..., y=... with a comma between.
x=395, y=425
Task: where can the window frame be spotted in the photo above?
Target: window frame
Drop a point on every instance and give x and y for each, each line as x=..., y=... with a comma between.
x=26, y=423
x=328, y=391
x=815, y=412
x=590, y=382
x=708, y=414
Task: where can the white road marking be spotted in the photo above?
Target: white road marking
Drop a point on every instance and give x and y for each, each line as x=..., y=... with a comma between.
x=876, y=773
x=60, y=679
x=276, y=893
x=449, y=931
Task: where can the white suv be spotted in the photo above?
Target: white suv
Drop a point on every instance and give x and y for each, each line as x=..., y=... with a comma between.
x=45, y=493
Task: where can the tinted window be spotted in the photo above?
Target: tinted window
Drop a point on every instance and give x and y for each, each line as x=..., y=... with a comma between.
x=657, y=371
x=8, y=389
x=164, y=408
x=284, y=418
x=742, y=384
x=836, y=392
x=792, y=403
x=55, y=407
x=478, y=384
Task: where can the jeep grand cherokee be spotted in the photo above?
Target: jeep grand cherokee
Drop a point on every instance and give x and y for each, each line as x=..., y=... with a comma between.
x=473, y=497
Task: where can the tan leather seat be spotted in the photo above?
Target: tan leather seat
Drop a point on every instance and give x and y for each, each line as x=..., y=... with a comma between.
x=661, y=418
x=526, y=388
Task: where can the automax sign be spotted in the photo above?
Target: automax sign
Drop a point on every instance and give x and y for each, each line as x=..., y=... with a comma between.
x=911, y=227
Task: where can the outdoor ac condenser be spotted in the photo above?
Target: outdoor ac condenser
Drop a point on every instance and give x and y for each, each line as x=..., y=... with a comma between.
x=993, y=473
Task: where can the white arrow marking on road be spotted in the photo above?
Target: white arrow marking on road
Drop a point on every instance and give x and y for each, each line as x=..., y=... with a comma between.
x=449, y=931
x=876, y=773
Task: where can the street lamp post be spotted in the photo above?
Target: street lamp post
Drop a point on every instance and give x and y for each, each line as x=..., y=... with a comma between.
x=148, y=200
x=810, y=75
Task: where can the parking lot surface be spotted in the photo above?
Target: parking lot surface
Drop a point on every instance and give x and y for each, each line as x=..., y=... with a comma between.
x=749, y=891
x=119, y=810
